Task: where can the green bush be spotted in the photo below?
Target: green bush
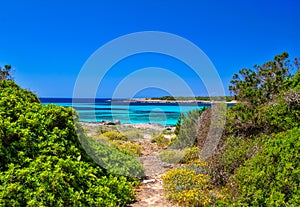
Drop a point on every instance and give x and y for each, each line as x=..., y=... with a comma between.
x=43, y=162
x=114, y=160
x=129, y=147
x=133, y=135
x=187, y=155
x=283, y=114
x=191, y=154
x=236, y=151
x=187, y=132
x=269, y=103
x=111, y=135
x=188, y=187
x=106, y=128
x=171, y=156
x=5, y=72
x=127, y=131
x=53, y=181
x=160, y=140
x=272, y=177
x=258, y=85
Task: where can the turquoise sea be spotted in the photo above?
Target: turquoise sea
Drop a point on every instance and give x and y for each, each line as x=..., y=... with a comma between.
x=99, y=110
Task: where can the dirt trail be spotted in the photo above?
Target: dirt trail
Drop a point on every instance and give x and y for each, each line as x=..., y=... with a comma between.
x=151, y=192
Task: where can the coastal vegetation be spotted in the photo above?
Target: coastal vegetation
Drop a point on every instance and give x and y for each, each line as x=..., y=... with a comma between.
x=48, y=158
x=5, y=72
x=43, y=162
x=188, y=187
x=257, y=162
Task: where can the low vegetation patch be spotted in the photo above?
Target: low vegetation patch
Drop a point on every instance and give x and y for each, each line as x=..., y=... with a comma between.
x=187, y=155
x=188, y=186
x=131, y=148
x=160, y=140
x=112, y=135
x=171, y=156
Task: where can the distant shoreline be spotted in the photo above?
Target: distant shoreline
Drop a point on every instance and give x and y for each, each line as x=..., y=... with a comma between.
x=133, y=100
x=147, y=100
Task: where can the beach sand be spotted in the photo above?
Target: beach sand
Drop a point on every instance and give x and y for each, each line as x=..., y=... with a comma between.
x=137, y=126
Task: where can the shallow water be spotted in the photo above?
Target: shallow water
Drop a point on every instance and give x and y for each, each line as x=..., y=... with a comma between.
x=165, y=114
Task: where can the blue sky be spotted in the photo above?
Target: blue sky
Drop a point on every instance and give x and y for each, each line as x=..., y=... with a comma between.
x=47, y=42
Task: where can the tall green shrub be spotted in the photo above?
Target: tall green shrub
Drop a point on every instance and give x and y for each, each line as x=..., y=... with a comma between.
x=272, y=177
x=43, y=162
x=187, y=135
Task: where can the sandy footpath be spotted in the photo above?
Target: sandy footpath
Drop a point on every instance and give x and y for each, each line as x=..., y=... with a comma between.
x=151, y=192
x=137, y=126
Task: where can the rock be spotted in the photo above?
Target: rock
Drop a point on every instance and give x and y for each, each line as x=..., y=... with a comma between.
x=110, y=123
x=167, y=165
x=117, y=122
x=149, y=181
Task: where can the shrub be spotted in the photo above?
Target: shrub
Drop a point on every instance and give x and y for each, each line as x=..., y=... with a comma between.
x=187, y=187
x=272, y=177
x=187, y=132
x=5, y=72
x=133, y=135
x=128, y=147
x=127, y=131
x=171, y=156
x=190, y=154
x=114, y=136
x=160, y=140
x=282, y=115
x=187, y=155
x=236, y=151
x=114, y=160
x=268, y=104
x=53, y=181
x=178, y=124
x=258, y=85
x=42, y=161
x=105, y=128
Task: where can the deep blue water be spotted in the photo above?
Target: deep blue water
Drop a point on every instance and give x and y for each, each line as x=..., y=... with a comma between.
x=106, y=110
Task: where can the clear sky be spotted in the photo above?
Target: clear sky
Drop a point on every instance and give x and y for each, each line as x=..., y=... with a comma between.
x=47, y=42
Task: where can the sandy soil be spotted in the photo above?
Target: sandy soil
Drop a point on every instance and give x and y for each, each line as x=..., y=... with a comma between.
x=151, y=192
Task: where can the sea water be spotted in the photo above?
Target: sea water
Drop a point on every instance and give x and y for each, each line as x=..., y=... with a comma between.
x=98, y=110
